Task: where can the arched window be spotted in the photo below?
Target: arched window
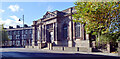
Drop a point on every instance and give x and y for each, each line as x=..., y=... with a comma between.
x=65, y=31
x=77, y=30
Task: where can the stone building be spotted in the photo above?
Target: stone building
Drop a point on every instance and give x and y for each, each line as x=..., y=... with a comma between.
x=20, y=36
x=58, y=28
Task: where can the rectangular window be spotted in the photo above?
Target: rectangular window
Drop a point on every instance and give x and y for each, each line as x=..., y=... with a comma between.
x=22, y=32
x=30, y=31
x=18, y=32
x=14, y=32
x=77, y=30
x=22, y=36
x=26, y=32
x=16, y=36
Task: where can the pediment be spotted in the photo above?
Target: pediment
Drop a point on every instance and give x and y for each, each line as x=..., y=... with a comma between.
x=49, y=14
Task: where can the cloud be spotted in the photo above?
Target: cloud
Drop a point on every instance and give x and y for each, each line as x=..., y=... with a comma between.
x=15, y=8
x=1, y=10
x=14, y=17
x=49, y=8
x=11, y=22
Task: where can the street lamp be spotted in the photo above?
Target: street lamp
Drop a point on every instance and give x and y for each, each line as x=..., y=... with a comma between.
x=23, y=30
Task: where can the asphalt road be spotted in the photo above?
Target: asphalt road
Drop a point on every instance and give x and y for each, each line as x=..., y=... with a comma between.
x=21, y=53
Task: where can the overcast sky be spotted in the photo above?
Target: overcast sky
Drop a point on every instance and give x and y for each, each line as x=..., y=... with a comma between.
x=12, y=11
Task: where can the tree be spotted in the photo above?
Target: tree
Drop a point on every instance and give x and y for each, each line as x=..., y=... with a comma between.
x=4, y=35
x=99, y=17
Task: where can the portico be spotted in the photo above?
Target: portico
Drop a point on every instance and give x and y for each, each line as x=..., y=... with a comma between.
x=58, y=29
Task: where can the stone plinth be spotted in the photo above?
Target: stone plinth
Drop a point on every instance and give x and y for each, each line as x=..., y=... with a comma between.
x=39, y=45
x=70, y=43
x=50, y=46
x=77, y=43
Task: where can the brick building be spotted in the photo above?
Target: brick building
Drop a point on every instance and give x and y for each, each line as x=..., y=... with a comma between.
x=20, y=36
x=58, y=28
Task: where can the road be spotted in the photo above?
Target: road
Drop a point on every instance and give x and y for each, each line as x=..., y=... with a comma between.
x=21, y=53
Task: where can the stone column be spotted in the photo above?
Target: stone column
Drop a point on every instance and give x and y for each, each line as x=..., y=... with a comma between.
x=56, y=34
x=42, y=32
x=40, y=37
x=70, y=42
x=33, y=40
x=82, y=31
x=54, y=31
x=74, y=30
x=45, y=29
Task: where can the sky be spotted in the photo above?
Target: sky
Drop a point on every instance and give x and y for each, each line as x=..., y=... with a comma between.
x=12, y=11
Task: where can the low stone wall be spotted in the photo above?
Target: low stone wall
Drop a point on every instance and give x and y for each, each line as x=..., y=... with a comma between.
x=36, y=47
x=61, y=48
x=83, y=49
x=57, y=48
x=79, y=49
x=29, y=47
x=70, y=49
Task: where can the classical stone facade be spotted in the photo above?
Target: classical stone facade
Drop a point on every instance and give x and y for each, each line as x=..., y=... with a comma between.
x=58, y=28
x=19, y=36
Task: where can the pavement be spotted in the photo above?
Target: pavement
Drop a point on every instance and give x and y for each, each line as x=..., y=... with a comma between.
x=54, y=51
x=75, y=52
x=30, y=53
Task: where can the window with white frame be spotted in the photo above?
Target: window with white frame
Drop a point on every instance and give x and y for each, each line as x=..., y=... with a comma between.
x=16, y=37
x=18, y=32
x=14, y=32
x=77, y=30
x=25, y=31
x=22, y=32
x=22, y=36
x=10, y=37
x=30, y=31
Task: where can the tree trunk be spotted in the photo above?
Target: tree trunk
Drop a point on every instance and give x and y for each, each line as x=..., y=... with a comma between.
x=108, y=47
x=118, y=48
x=98, y=36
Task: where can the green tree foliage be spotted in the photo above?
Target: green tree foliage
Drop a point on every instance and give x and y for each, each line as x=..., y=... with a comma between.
x=4, y=35
x=99, y=17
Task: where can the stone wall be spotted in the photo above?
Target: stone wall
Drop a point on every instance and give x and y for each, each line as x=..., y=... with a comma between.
x=72, y=49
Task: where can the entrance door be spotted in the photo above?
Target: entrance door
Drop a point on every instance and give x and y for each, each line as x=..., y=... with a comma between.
x=51, y=37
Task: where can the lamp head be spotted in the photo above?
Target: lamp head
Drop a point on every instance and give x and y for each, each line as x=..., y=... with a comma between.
x=19, y=20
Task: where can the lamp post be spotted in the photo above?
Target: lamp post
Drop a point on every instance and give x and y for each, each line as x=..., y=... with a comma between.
x=23, y=30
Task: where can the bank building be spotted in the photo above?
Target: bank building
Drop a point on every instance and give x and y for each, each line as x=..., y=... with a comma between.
x=57, y=31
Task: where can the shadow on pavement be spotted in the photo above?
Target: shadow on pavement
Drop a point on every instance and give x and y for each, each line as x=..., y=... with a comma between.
x=32, y=55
